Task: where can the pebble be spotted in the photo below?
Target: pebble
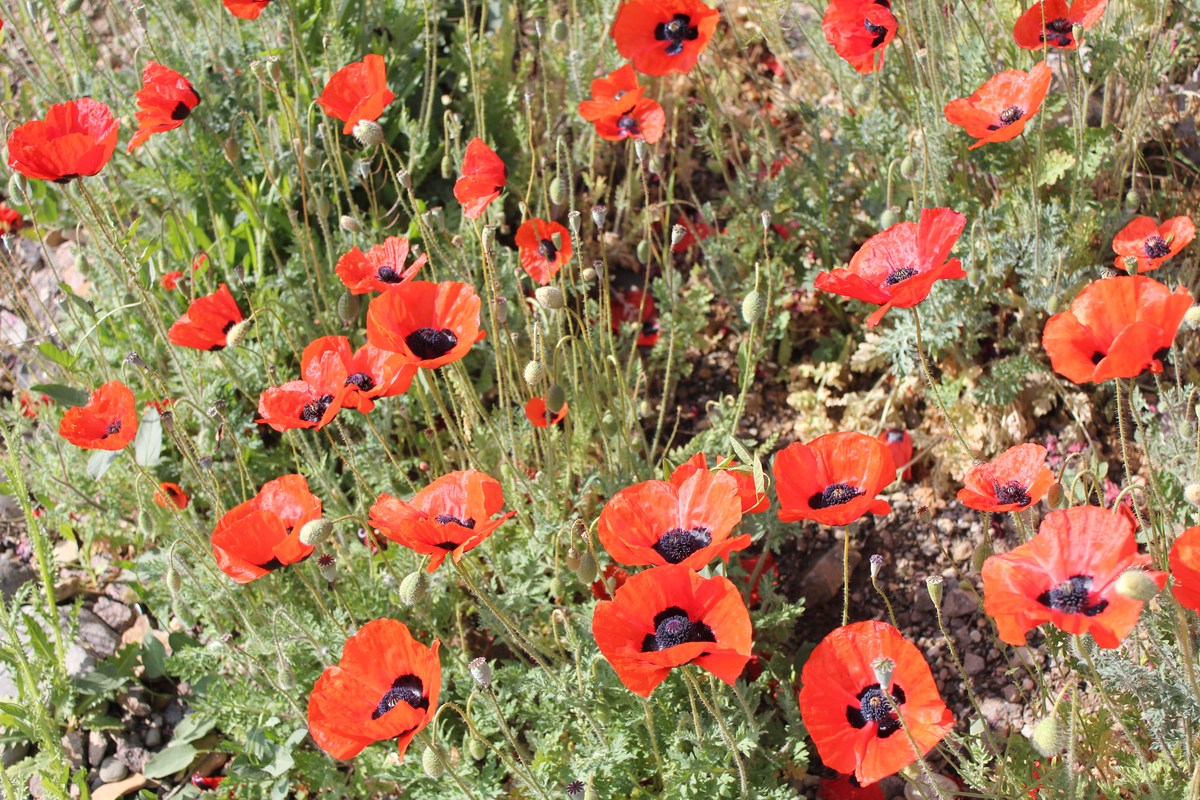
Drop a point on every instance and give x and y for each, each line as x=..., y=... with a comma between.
x=79, y=662
x=823, y=581
x=13, y=575
x=153, y=737
x=97, y=747
x=72, y=744
x=113, y=770
x=117, y=616
x=958, y=603
x=974, y=664
x=95, y=635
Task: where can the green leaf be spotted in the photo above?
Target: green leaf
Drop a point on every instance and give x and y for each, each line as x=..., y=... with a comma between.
x=56, y=354
x=84, y=305
x=1054, y=166
x=192, y=728
x=147, y=445
x=63, y=395
x=154, y=656
x=167, y=762
x=99, y=463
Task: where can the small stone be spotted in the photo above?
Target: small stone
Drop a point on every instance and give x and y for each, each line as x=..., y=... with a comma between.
x=962, y=550
x=13, y=575
x=79, y=662
x=153, y=737
x=132, y=757
x=999, y=713
x=95, y=635
x=823, y=581
x=958, y=604
x=97, y=748
x=72, y=744
x=135, y=702
x=974, y=664
x=113, y=770
x=116, y=615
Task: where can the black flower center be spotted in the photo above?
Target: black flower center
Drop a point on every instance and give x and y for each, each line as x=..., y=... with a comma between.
x=1060, y=25
x=880, y=32
x=67, y=178
x=1012, y=492
x=1059, y=32
x=873, y=706
x=676, y=31
x=673, y=627
x=314, y=411
x=677, y=544
x=1097, y=357
x=1157, y=247
x=362, y=380
x=446, y=519
x=180, y=112
x=1007, y=117
x=1072, y=596
x=429, y=343
x=835, y=494
x=629, y=124
x=388, y=275
x=547, y=250
x=897, y=275
x=895, y=435
x=112, y=429
x=405, y=689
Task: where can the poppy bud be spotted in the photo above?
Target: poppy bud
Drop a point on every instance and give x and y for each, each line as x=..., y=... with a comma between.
x=654, y=165
x=908, y=167
x=876, y=562
x=1191, y=493
x=558, y=31
x=1136, y=585
x=556, y=398
x=557, y=192
x=323, y=208
x=982, y=554
x=488, y=239
x=677, y=234
x=588, y=274
x=413, y=587
x=232, y=149
x=889, y=218
x=753, y=307
x=311, y=157
x=235, y=335
x=501, y=310
x=1054, y=495
x=348, y=307
x=349, y=224
x=935, y=586
x=1052, y=305
x=259, y=70
x=447, y=166
x=174, y=581
x=368, y=133
x=481, y=672
x=573, y=558
x=556, y=587
x=860, y=94
x=645, y=409
x=327, y=566
x=550, y=297
x=643, y=252
x=1192, y=318
x=608, y=423
x=476, y=748
x=640, y=149
x=765, y=216
x=534, y=372
x=431, y=762
x=315, y=532
x=586, y=572
x=1047, y=736
x=573, y=221
x=599, y=213
x=1132, y=200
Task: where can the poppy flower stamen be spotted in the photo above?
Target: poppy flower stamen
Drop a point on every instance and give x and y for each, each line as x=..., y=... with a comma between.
x=879, y=31
x=112, y=429
x=181, y=112
x=629, y=124
x=1061, y=32
x=873, y=706
x=679, y=30
x=315, y=411
x=1072, y=596
x=362, y=380
x=1012, y=492
x=547, y=250
x=446, y=519
x=405, y=689
x=65, y=179
x=677, y=543
x=1007, y=117
x=1157, y=247
x=835, y=494
x=897, y=275
x=430, y=343
x=673, y=627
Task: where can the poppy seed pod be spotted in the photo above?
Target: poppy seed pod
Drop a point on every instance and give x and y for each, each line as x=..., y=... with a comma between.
x=1137, y=585
x=315, y=531
x=573, y=217
x=883, y=668
x=368, y=133
x=876, y=562
x=586, y=572
x=640, y=149
x=599, y=214
x=327, y=566
x=481, y=672
x=404, y=179
x=935, y=586
x=349, y=224
x=550, y=297
x=753, y=307
x=431, y=762
x=558, y=31
x=1047, y=737
x=556, y=398
x=413, y=587
x=1191, y=493
x=765, y=217
x=534, y=372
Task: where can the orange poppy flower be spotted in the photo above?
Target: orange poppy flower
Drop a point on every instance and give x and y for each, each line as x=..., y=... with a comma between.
x=108, y=421
x=170, y=280
x=208, y=320
x=385, y=686
x=998, y=110
x=752, y=502
x=1052, y=23
x=847, y=714
x=170, y=494
x=541, y=417
x=10, y=220
x=370, y=372
x=76, y=138
x=860, y=30
x=833, y=479
x=1067, y=575
x=165, y=101
x=898, y=267
x=357, y=92
x=900, y=444
x=246, y=9
x=1144, y=242
x=666, y=617
x=544, y=247
x=686, y=520
x=428, y=324
x=312, y=402
x=483, y=178
x=1116, y=328
x=448, y=517
x=263, y=533
x=380, y=268
x=663, y=36
x=1184, y=562
x=1013, y=481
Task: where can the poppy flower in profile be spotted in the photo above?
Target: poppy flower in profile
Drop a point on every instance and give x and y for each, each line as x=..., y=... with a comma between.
x=544, y=247
x=170, y=280
x=847, y=787
x=448, y=517
x=619, y=111
x=661, y=37
x=170, y=494
x=246, y=9
x=900, y=444
x=998, y=110
x=1145, y=244
x=752, y=501
x=1066, y=575
x=370, y=372
x=687, y=520
x=76, y=138
x=108, y=421
x=667, y=617
x=1052, y=23
x=1116, y=328
x=10, y=220
x=634, y=305
x=380, y=268
x=898, y=267
x=428, y=324
x=833, y=479
x=357, y=92
x=860, y=30
x=263, y=533
x=30, y=404
x=483, y=178
x=207, y=322
x=311, y=402
x=1184, y=562
x=610, y=93
x=846, y=710
x=541, y=417
x=1013, y=481
x=613, y=574
x=164, y=102
x=385, y=686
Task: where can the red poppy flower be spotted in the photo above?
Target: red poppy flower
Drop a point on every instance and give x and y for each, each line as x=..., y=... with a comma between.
x=848, y=716
x=666, y=617
x=169, y=494
x=1147, y=244
x=429, y=324
x=770, y=570
x=30, y=404
x=370, y=372
x=998, y=110
x=199, y=261
x=860, y=30
x=10, y=220
x=634, y=305
x=208, y=320
x=1067, y=575
x=161, y=405
x=686, y=521
x=614, y=91
x=752, y=502
x=663, y=36
x=1116, y=328
x=900, y=444
x=357, y=92
x=833, y=479
x=107, y=422
x=263, y=533
x=385, y=686
x=541, y=417
x=1052, y=23
x=207, y=783
x=246, y=9
x=545, y=247
x=619, y=111
x=170, y=280
x=1184, y=562
x=483, y=178
x=312, y=402
x=165, y=101
x=614, y=573
x=448, y=517
x=76, y=138
x=847, y=787
x=380, y=268
x=898, y=267
x=1013, y=481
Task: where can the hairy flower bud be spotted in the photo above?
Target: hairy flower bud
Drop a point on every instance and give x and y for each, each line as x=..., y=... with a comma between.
x=348, y=307
x=908, y=167
x=481, y=672
x=889, y=218
x=534, y=372
x=860, y=94
x=235, y=335
x=586, y=572
x=558, y=191
x=232, y=149
x=431, y=762
x=413, y=587
x=1132, y=200
x=1137, y=585
x=315, y=532
x=556, y=398
x=573, y=558
x=1192, y=318
x=1047, y=736
x=1054, y=495
x=982, y=553
x=368, y=133
x=349, y=224
x=643, y=252
x=558, y=31
x=311, y=157
x=550, y=297
x=753, y=306
x=476, y=749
